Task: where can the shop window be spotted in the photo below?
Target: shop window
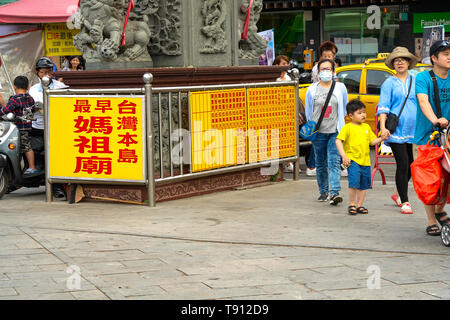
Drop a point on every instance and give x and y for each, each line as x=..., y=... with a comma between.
x=375, y=79
x=289, y=30
x=349, y=30
x=351, y=79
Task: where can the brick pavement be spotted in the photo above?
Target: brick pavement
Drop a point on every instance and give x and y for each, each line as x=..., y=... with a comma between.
x=272, y=242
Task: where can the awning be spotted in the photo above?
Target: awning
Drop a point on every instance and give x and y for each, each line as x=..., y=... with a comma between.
x=41, y=11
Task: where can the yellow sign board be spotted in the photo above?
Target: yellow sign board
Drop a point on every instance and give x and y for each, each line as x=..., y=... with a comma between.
x=238, y=126
x=218, y=128
x=58, y=40
x=97, y=138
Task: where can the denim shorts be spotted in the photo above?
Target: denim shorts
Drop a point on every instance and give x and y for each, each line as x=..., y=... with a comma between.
x=359, y=177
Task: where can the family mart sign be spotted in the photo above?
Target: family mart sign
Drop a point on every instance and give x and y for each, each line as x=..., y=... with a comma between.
x=422, y=20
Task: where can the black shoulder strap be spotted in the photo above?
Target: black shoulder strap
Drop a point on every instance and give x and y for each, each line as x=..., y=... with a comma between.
x=409, y=91
x=437, y=101
x=324, y=108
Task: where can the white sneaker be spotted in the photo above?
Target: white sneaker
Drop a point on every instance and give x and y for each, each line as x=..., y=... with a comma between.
x=310, y=172
x=344, y=173
x=288, y=167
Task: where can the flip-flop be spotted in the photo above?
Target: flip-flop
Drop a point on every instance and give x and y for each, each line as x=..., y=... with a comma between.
x=29, y=172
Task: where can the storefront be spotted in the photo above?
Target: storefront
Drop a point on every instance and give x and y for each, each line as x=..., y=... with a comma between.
x=357, y=35
x=359, y=29
x=289, y=31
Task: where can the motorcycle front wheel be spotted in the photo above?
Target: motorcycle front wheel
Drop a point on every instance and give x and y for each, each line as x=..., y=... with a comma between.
x=3, y=182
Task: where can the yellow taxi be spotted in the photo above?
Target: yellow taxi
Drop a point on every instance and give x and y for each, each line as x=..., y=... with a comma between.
x=364, y=80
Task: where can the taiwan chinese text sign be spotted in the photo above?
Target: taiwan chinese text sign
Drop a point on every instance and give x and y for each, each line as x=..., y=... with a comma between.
x=97, y=138
x=58, y=40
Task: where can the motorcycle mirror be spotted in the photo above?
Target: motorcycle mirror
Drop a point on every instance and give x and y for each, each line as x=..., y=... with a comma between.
x=39, y=105
x=10, y=116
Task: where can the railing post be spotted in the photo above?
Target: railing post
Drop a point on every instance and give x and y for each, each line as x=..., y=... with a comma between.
x=148, y=79
x=45, y=83
x=297, y=97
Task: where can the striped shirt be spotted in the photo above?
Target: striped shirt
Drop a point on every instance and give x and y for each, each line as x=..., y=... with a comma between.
x=17, y=105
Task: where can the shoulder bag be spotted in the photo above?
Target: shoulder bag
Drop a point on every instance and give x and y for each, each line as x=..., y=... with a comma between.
x=310, y=129
x=392, y=119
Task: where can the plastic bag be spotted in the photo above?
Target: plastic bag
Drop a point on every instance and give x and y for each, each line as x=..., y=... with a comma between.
x=429, y=179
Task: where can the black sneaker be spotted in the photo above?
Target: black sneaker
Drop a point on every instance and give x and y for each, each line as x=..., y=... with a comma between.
x=323, y=197
x=335, y=199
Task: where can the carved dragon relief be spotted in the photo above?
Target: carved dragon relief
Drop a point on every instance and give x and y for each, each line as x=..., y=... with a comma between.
x=155, y=27
x=148, y=30
x=214, y=14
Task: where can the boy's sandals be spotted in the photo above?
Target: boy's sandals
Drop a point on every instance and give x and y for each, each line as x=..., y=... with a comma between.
x=406, y=209
x=29, y=172
x=433, y=230
x=442, y=222
x=396, y=199
x=362, y=210
x=352, y=210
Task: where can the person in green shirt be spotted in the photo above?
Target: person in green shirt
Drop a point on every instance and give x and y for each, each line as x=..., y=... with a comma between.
x=353, y=143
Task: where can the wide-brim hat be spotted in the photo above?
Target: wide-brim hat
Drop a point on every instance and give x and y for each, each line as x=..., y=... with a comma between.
x=401, y=52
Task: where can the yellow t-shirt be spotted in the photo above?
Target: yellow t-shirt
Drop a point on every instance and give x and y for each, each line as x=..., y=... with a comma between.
x=356, y=140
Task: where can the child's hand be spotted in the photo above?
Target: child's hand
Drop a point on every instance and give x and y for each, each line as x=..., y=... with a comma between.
x=346, y=161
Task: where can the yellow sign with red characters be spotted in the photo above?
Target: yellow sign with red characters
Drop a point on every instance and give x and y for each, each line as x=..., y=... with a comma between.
x=97, y=138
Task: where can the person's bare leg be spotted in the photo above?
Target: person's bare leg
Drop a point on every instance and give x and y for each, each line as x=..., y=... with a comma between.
x=361, y=197
x=352, y=196
x=30, y=158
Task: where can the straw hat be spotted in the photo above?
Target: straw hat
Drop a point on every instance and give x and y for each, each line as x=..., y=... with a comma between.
x=401, y=52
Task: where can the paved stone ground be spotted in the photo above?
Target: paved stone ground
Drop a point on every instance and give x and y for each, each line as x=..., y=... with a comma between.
x=270, y=242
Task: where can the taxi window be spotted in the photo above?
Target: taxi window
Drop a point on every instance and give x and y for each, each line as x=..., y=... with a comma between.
x=375, y=79
x=351, y=79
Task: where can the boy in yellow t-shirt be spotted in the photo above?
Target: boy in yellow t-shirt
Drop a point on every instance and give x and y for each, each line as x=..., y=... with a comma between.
x=353, y=143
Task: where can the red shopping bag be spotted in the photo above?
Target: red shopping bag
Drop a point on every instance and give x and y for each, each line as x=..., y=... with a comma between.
x=430, y=180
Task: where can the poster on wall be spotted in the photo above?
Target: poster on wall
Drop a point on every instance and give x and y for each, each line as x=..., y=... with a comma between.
x=266, y=59
x=430, y=36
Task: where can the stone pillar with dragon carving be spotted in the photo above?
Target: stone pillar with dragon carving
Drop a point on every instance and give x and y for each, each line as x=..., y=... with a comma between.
x=123, y=34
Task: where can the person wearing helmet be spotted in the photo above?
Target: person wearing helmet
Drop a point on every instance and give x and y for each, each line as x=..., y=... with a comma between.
x=428, y=117
x=44, y=67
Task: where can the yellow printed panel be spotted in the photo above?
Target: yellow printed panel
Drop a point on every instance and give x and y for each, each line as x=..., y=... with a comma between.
x=97, y=138
x=271, y=123
x=218, y=128
x=58, y=40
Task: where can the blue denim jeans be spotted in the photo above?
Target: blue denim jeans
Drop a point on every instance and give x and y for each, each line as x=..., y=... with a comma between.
x=328, y=163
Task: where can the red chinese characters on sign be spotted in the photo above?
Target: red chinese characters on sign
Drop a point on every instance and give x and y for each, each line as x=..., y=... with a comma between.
x=127, y=123
x=94, y=165
x=98, y=144
x=103, y=105
x=127, y=156
x=127, y=107
x=82, y=106
x=93, y=124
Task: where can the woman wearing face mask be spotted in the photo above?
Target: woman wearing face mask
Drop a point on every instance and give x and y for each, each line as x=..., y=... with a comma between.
x=328, y=160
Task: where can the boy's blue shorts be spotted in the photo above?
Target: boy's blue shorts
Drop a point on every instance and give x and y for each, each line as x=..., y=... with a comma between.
x=359, y=177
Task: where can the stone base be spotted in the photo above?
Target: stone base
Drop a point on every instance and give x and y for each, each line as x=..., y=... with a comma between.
x=177, y=190
x=124, y=65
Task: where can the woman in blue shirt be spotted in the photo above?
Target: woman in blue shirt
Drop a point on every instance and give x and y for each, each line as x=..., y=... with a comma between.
x=394, y=91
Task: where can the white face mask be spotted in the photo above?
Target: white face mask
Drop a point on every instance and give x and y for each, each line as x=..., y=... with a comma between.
x=326, y=75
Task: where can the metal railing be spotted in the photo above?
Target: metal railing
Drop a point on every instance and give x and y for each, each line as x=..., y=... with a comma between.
x=159, y=131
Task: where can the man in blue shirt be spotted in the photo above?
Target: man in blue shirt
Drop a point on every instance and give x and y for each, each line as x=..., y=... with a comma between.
x=427, y=118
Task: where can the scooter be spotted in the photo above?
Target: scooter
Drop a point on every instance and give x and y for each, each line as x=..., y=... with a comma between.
x=12, y=162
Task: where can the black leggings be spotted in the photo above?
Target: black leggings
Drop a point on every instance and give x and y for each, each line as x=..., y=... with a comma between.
x=403, y=157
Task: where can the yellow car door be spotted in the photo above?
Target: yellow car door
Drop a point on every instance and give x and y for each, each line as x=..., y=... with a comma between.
x=351, y=78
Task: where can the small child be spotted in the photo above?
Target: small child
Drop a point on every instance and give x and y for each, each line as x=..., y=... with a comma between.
x=353, y=143
x=17, y=104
